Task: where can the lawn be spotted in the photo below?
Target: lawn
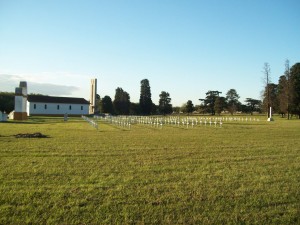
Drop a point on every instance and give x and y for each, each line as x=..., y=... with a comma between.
x=240, y=173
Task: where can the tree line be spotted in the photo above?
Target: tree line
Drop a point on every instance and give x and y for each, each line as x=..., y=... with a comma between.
x=7, y=101
x=283, y=97
x=212, y=104
x=121, y=105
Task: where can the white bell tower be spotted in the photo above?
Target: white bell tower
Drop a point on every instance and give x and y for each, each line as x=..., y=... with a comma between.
x=21, y=102
x=93, y=96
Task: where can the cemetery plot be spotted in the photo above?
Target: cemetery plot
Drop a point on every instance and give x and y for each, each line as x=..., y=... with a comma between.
x=150, y=175
x=159, y=122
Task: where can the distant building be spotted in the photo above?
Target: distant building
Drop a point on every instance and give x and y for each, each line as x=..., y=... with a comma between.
x=40, y=105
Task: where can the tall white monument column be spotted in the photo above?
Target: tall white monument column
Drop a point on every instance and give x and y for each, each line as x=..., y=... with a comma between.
x=93, y=96
x=21, y=102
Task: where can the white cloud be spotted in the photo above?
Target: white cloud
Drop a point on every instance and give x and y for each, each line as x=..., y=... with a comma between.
x=51, y=89
x=10, y=82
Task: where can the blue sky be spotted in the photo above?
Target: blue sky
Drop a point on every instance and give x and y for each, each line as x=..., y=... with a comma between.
x=183, y=47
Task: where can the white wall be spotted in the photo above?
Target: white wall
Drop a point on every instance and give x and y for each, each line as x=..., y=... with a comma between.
x=20, y=103
x=51, y=109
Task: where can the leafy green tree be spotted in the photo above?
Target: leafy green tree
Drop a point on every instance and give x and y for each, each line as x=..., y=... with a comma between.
x=183, y=108
x=135, y=108
x=165, y=106
x=220, y=104
x=197, y=108
x=288, y=87
x=232, y=99
x=209, y=101
x=145, y=97
x=121, y=102
x=271, y=97
x=98, y=104
x=295, y=92
x=176, y=109
x=7, y=101
x=201, y=108
x=154, y=109
x=253, y=105
x=107, y=105
x=189, y=106
x=282, y=96
x=245, y=108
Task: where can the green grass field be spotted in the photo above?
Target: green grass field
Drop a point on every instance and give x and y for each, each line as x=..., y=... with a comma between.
x=241, y=173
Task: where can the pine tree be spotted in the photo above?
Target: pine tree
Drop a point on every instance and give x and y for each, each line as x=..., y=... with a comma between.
x=189, y=106
x=165, y=106
x=145, y=98
x=121, y=102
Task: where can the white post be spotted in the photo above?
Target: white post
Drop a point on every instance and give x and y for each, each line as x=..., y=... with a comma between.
x=270, y=118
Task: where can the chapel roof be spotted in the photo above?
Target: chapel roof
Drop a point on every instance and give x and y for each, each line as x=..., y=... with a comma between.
x=54, y=99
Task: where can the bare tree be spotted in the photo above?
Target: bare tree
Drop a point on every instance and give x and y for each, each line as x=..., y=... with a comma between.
x=267, y=81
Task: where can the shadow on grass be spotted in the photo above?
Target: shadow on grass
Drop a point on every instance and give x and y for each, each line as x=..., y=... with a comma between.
x=31, y=135
x=26, y=136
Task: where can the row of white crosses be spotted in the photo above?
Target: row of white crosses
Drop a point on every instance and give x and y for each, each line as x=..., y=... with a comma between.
x=159, y=122
x=177, y=121
x=121, y=121
x=241, y=119
x=195, y=121
x=90, y=121
x=150, y=121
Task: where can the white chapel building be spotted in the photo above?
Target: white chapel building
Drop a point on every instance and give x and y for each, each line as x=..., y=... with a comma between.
x=41, y=105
